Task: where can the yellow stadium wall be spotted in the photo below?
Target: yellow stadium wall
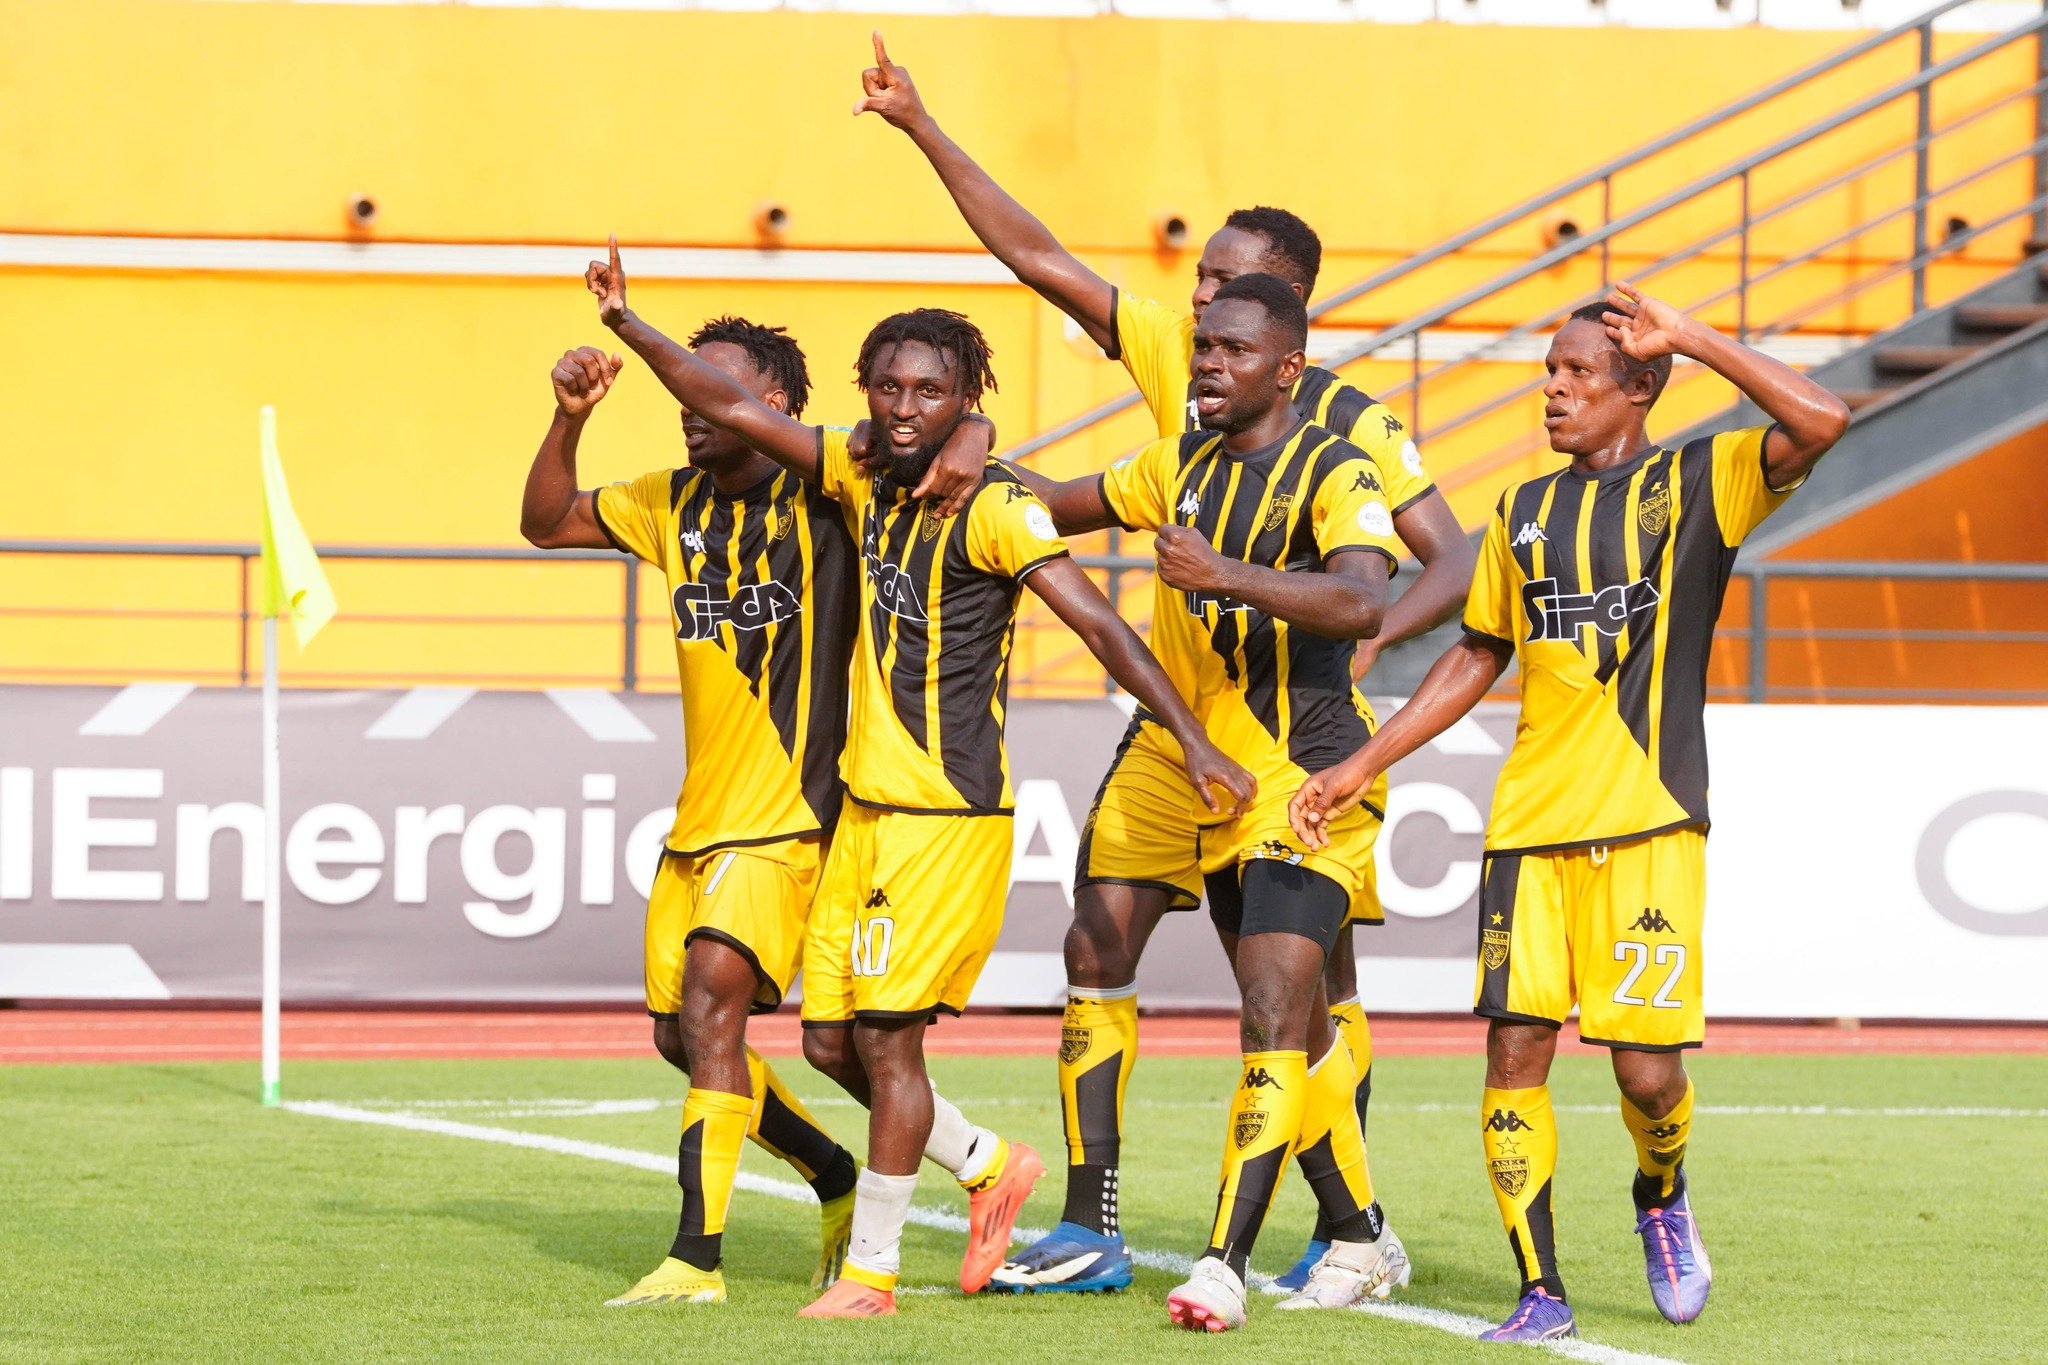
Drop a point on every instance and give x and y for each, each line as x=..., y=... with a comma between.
x=410, y=406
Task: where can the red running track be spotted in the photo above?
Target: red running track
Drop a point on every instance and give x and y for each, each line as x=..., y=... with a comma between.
x=223, y=1035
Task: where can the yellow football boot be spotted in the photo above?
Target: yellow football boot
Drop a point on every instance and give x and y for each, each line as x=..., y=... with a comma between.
x=673, y=1281
x=835, y=1234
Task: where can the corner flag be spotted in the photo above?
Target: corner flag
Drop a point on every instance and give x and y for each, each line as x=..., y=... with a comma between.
x=294, y=584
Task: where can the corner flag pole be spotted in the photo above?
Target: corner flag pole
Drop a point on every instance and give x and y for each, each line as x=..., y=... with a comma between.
x=294, y=584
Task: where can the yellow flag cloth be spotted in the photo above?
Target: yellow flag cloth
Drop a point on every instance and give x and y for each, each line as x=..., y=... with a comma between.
x=294, y=584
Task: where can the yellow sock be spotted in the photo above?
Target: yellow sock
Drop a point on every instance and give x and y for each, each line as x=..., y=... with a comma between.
x=1660, y=1147
x=714, y=1130
x=782, y=1127
x=1098, y=1046
x=1331, y=1150
x=1265, y=1122
x=1356, y=1031
x=1520, y=1136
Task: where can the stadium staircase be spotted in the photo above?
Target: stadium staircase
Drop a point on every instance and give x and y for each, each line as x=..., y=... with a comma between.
x=1892, y=245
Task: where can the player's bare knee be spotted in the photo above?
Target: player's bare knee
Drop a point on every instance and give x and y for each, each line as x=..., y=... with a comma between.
x=1518, y=1055
x=1654, y=1082
x=1098, y=953
x=830, y=1053
x=1274, y=1017
x=668, y=1041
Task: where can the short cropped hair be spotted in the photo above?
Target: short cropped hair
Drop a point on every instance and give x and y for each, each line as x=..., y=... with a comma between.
x=773, y=351
x=1292, y=247
x=1659, y=369
x=945, y=331
x=1274, y=295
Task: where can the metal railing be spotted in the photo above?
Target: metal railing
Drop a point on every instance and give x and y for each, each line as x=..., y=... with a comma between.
x=1603, y=243
x=1759, y=637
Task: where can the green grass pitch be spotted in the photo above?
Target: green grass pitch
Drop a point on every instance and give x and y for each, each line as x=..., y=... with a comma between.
x=156, y=1212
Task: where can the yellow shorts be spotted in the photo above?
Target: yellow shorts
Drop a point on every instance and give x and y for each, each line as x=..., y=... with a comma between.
x=754, y=899
x=907, y=913
x=1615, y=930
x=1142, y=830
x=1264, y=832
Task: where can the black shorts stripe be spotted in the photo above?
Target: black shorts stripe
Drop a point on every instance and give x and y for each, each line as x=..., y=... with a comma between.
x=1498, y=877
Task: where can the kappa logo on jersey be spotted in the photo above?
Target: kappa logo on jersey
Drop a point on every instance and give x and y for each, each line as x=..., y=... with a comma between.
x=1652, y=921
x=1393, y=424
x=1366, y=482
x=1277, y=512
x=1561, y=616
x=1015, y=492
x=877, y=899
x=1190, y=504
x=701, y=609
x=1508, y=1121
x=1528, y=535
x=693, y=541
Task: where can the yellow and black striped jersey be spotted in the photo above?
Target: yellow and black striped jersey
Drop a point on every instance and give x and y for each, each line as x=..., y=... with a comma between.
x=762, y=596
x=931, y=672
x=1157, y=345
x=1276, y=698
x=1608, y=586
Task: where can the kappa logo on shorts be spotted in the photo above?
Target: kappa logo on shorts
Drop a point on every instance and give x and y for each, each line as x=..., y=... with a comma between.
x=1493, y=948
x=877, y=898
x=1247, y=1126
x=1653, y=921
x=1276, y=850
x=1074, y=1044
x=1508, y=1121
x=1511, y=1173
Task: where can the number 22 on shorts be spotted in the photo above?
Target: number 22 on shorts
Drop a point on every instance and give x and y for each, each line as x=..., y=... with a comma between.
x=1639, y=957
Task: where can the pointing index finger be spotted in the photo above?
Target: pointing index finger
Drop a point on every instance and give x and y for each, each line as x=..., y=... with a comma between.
x=615, y=257
x=881, y=53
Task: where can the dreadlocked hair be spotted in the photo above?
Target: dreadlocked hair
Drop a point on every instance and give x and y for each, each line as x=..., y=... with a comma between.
x=773, y=351
x=960, y=342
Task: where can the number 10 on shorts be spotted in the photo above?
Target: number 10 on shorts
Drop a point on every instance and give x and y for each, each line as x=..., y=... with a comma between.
x=871, y=939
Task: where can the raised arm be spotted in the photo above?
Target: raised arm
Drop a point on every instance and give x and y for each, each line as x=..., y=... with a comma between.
x=1065, y=587
x=1455, y=684
x=554, y=514
x=1345, y=602
x=1431, y=530
x=708, y=392
x=1809, y=418
x=1004, y=226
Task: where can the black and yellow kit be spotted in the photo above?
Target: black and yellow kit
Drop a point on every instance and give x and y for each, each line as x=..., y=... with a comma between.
x=1140, y=831
x=913, y=890
x=1608, y=586
x=1276, y=698
x=762, y=595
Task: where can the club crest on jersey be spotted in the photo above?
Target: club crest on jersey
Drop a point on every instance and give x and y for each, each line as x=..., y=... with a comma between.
x=929, y=523
x=702, y=609
x=785, y=518
x=1511, y=1173
x=1074, y=1044
x=1653, y=511
x=1555, y=615
x=1493, y=948
x=1246, y=1127
x=1277, y=512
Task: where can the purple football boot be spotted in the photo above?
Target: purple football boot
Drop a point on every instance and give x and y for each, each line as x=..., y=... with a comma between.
x=1540, y=1316
x=1674, y=1258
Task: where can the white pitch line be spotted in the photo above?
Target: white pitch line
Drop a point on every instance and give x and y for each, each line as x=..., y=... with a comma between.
x=1458, y=1324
